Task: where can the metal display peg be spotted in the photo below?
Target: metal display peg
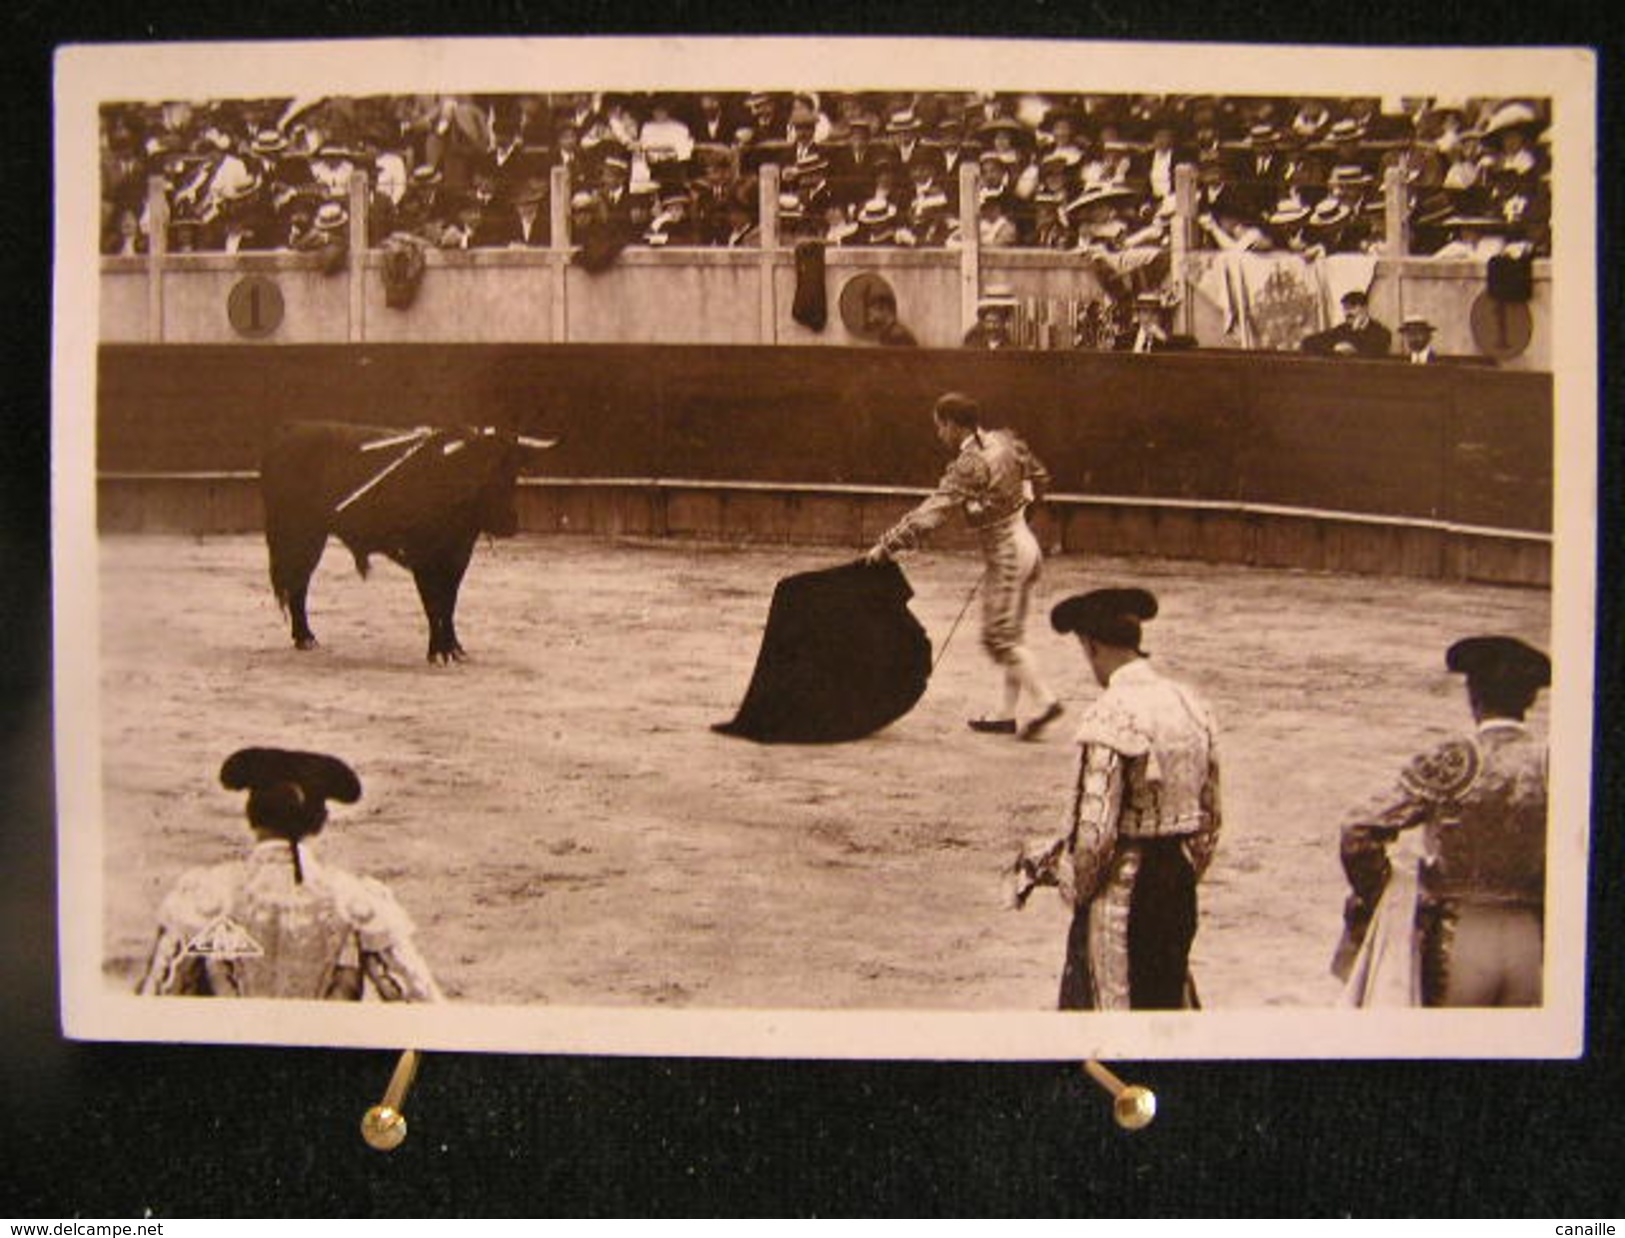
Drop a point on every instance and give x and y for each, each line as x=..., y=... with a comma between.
x=1133, y=1106
x=384, y=1125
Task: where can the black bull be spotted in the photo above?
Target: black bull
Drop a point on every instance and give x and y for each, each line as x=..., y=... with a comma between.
x=421, y=498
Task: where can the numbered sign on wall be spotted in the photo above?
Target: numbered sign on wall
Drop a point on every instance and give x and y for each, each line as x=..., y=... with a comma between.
x=254, y=306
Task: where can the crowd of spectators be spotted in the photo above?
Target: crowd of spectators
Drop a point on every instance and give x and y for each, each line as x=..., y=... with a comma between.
x=1081, y=172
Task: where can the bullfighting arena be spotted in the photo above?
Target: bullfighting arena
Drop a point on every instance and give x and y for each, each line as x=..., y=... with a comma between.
x=565, y=828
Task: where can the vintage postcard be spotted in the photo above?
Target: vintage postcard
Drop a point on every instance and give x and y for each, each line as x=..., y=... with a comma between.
x=900, y=548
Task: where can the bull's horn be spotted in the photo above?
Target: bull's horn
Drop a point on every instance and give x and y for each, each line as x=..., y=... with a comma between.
x=536, y=444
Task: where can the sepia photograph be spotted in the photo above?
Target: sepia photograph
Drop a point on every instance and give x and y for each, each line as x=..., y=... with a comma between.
x=825, y=548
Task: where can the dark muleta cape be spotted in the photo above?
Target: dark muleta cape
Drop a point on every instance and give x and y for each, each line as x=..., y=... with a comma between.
x=841, y=657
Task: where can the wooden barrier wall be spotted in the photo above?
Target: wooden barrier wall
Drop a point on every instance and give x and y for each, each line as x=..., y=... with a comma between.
x=1187, y=445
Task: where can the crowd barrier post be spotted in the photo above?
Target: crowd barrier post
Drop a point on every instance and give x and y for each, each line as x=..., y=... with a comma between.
x=1181, y=241
x=157, y=249
x=970, y=244
x=1396, y=216
x=767, y=201
x=358, y=257
x=558, y=207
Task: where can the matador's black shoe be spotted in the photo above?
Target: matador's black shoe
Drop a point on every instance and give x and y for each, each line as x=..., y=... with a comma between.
x=1035, y=728
x=993, y=726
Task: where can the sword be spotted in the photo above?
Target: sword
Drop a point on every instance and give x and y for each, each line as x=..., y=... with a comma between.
x=969, y=597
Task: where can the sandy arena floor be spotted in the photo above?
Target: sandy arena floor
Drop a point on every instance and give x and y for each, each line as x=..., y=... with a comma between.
x=565, y=828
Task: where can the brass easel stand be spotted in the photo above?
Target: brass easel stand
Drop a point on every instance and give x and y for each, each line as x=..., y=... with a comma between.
x=1133, y=1106
x=384, y=1125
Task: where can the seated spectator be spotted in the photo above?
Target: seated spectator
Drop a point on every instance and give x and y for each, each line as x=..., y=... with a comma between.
x=1358, y=335
x=877, y=224
x=615, y=183
x=1478, y=238
x=1328, y=222
x=566, y=152
x=620, y=122
x=804, y=143
x=423, y=210
x=331, y=168
x=1468, y=164
x=673, y=223
x=929, y=217
x=807, y=117
x=329, y=237
x=183, y=236
x=1006, y=143
x=1151, y=332
x=125, y=237
x=522, y=222
x=242, y=220
x=837, y=226
x=468, y=227
x=892, y=185
x=1151, y=223
x=713, y=123
x=743, y=231
x=811, y=186
x=795, y=224
x=1428, y=211
x=267, y=149
x=1058, y=174
x=295, y=217
x=1303, y=169
x=904, y=132
x=1289, y=226
x=995, y=312
x=1258, y=164
x=1050, y=227
x=508, y=166
x=955, y=152
x=637, y=211
x=1347, y=139
x=1096, y=217
x=535, y=124
x=712, y=193
x=1213, y=184
x=994, y=226
x=1153, y=169
x=1311, y=120
x=1116, y=157
x=390, y=178
x=880, y=321
x=1416, y=335
x=1352, y=185
x=1527, y=207
x=1440, y=124
x=996, y=181
x=852, y=166
x=1230, y=225
x=666, y=142
x=1420, y=165
x=1058, y=135
x=1509, y=135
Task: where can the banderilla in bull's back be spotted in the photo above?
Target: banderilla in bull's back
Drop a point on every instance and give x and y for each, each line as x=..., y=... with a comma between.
x=420, y=497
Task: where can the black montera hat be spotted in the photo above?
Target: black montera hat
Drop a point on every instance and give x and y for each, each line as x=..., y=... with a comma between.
x=1111, y=616
x=1500, y=660
x=288, y=791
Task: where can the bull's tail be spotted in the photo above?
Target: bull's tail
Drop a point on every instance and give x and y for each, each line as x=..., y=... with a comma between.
x=294, y=553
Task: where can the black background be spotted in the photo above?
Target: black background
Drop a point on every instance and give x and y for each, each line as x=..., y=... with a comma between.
x=96, y=1130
